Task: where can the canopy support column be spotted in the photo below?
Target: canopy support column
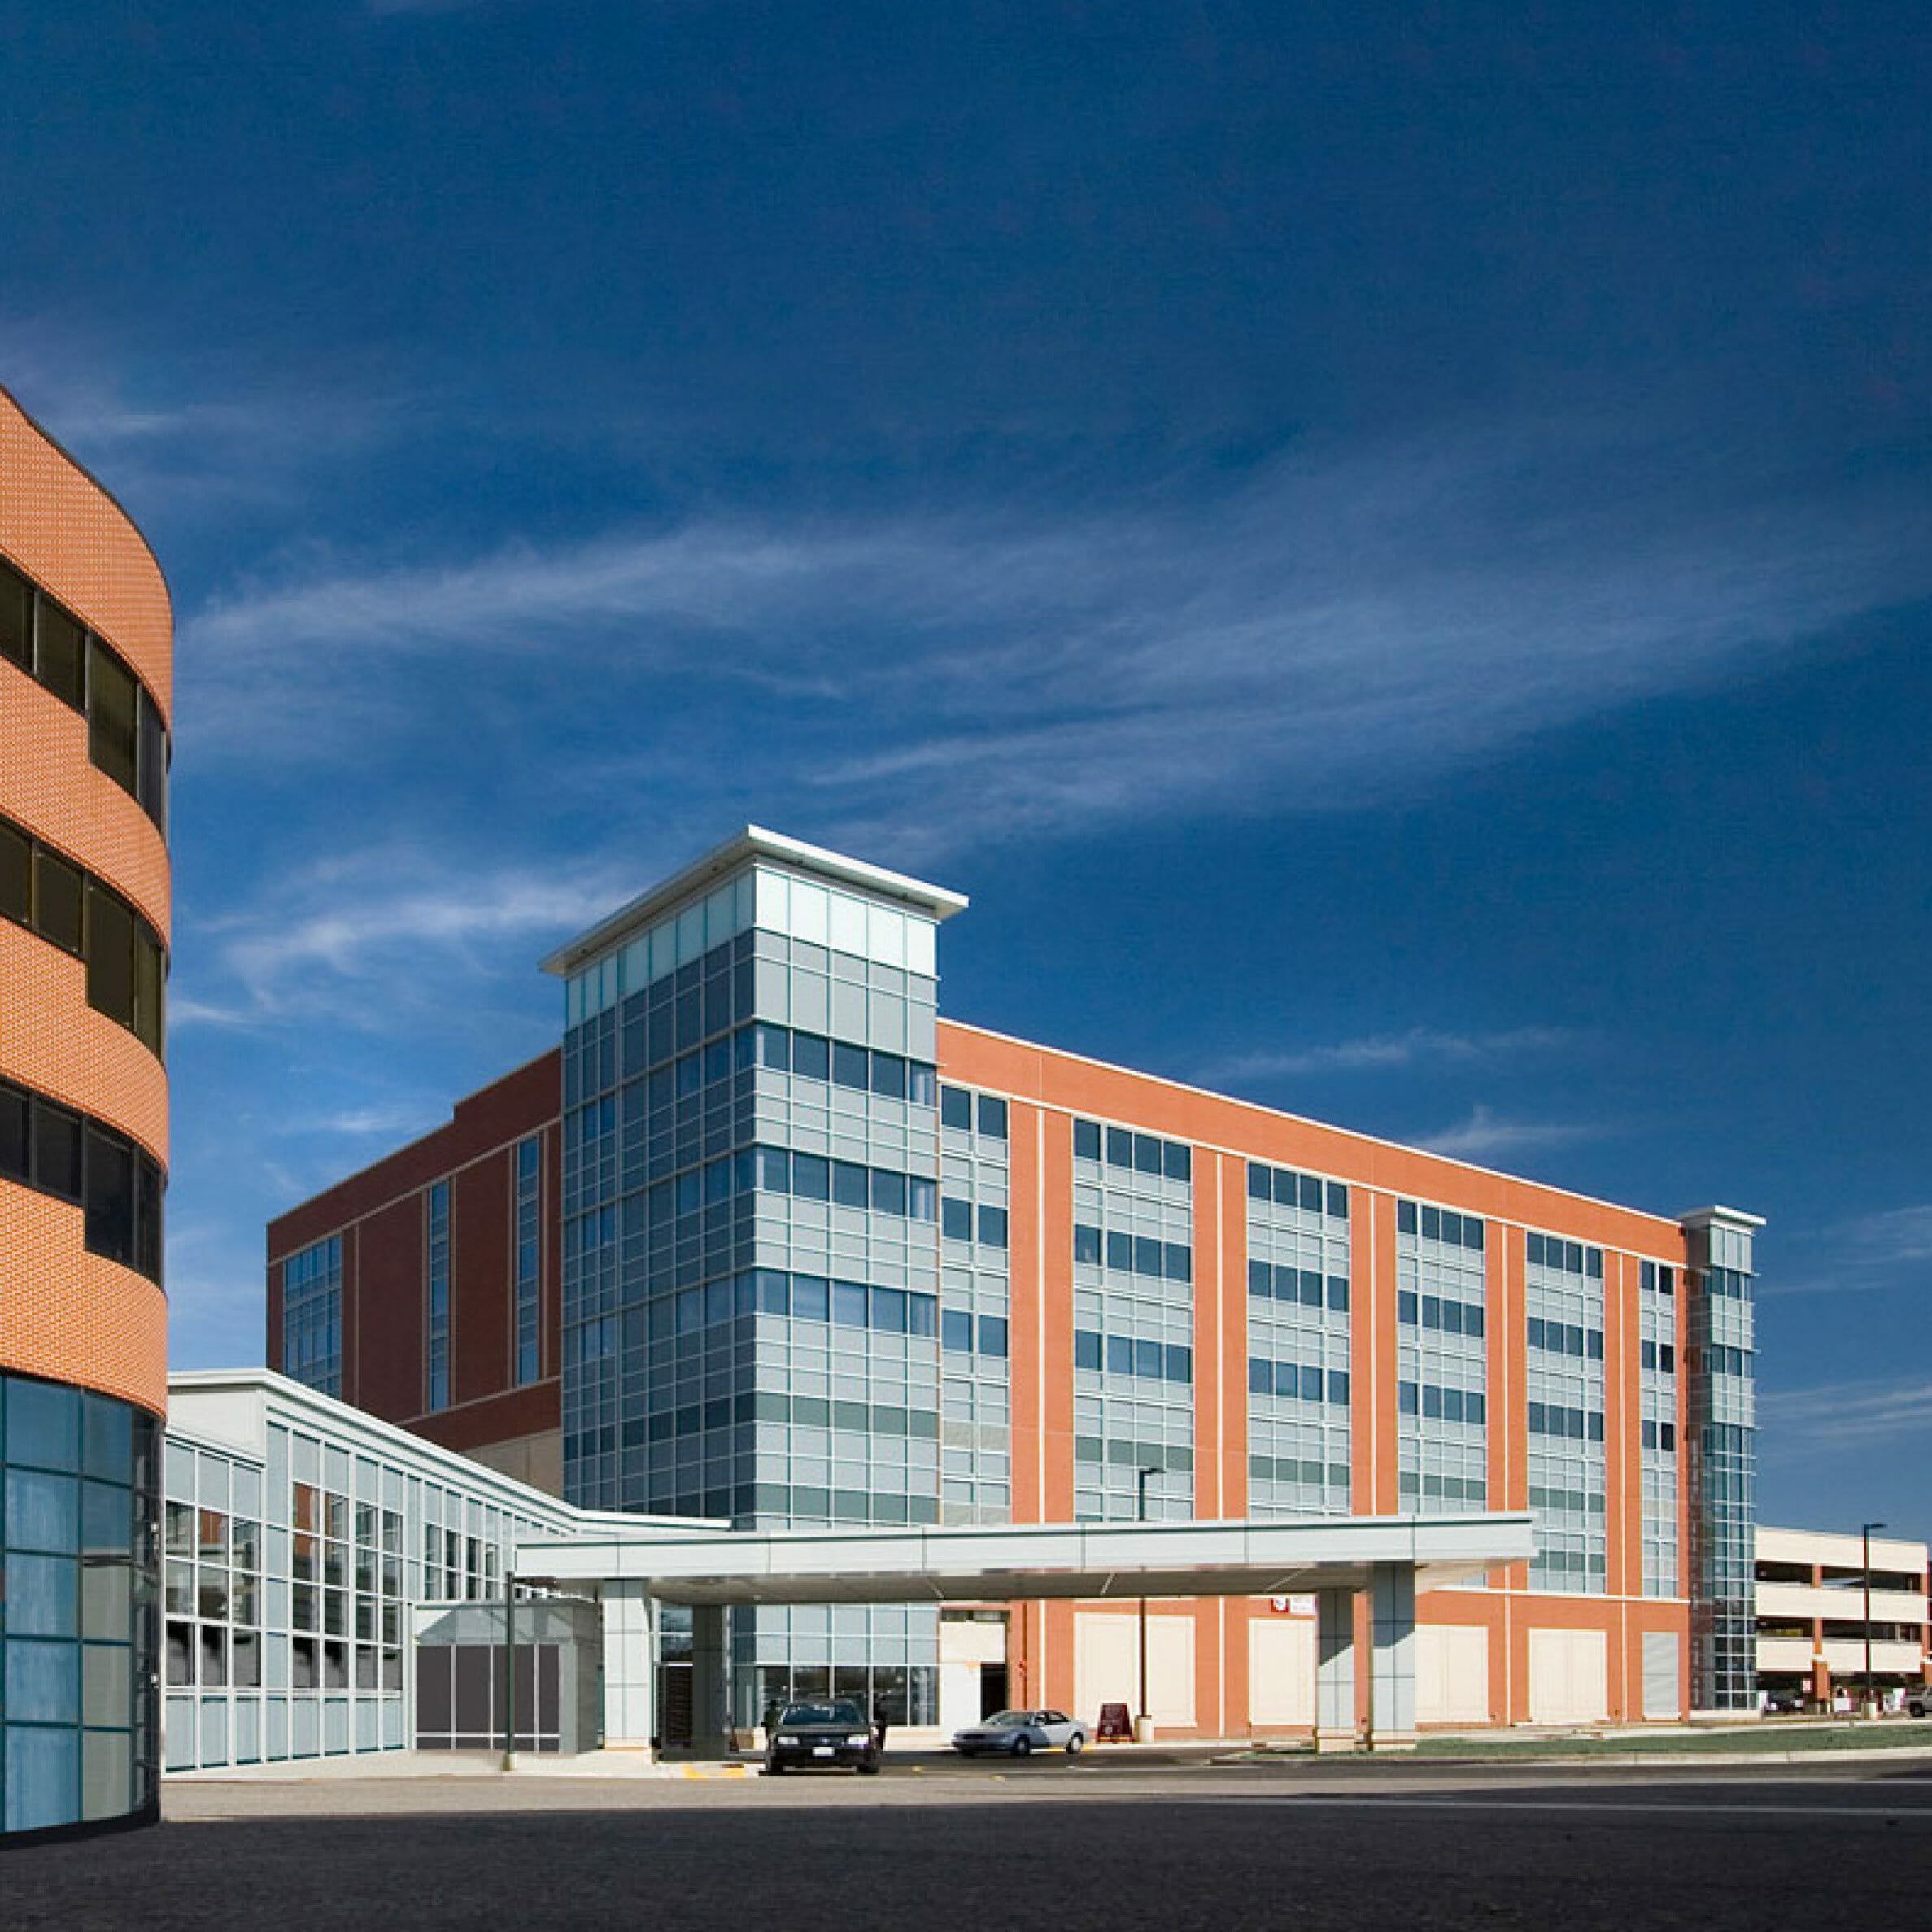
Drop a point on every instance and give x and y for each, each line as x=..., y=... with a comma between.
x=710, y=1683
x=629, y=1666
x=1334, y=1670
x=1391, y=1647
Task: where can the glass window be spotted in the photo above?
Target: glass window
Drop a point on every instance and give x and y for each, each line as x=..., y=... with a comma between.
x=956, y=1108
x=811, y=1056
x=992, y=1226
x=851, y=1184
x=110, y=955
x=992, y=1116
x=1086, y=1140
x=848, y=1066
x=60, y=655
x=811, y=1176
x=56, y=1150
x=152, y=787
x=59, y=901
x=16, y=618
x=15, y=1160
x=113, y=736
x=889, y=1076
x=16, y=875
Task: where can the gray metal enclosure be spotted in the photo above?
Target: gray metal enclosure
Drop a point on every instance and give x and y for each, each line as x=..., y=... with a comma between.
x=465, y=1696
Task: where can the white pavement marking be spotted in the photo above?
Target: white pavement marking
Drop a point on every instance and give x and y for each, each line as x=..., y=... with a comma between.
x=1675, y=1807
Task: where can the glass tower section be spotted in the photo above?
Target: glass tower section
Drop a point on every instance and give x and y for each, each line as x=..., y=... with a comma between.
x=1442, y=1402
x=1563, y=1298
x=975, y=1413
x=1299, y=1407
x=1133, y=1302
x=1657, y=1384
x=751, y=1269
x=1721, y=1417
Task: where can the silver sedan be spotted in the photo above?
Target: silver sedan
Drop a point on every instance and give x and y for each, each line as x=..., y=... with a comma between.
x=1018, y=1734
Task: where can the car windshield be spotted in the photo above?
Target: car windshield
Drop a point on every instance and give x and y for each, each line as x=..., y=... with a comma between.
x=841, y=1711
x=1008, y=1720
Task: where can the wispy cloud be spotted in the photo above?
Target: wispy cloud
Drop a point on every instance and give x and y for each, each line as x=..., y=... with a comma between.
x=1347, y=628
x=1487, y=1135
x=1844, y=1415
x=1381, y=1053
x=182, y=439
x=374, y=943
x=1892, y=1249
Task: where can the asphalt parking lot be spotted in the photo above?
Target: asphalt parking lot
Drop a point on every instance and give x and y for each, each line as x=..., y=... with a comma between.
x=1074, y=1846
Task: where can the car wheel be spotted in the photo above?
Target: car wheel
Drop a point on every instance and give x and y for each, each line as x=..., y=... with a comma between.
x=1075, y=1744
x=772, y=1769
x=870, y=1770
x=1021, y=1746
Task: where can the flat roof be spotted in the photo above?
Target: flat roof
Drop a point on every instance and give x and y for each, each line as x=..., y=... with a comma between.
x=1087, y=1561
x=754, y=842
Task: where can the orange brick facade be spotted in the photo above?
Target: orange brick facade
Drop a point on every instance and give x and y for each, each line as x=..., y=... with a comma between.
x=66, y=1314
x=1045, y=1091
x=381, y=1214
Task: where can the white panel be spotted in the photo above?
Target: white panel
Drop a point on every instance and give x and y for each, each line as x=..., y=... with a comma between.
x=811, y=912
x=921, y=949
x=968, y=1640
x=1107, y=1666
x=885, y=935
x=1569, y=1677
x=1661, y=1674
x=1281, y=1670
x=849, y=924
x=637, y=964
x=691, y=933
x=1170, y=1669
x=1452, y=1674
x=959, y=1695
x=774, y=902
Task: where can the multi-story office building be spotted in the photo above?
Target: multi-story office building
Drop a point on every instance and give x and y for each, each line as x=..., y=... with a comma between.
x=1823, y=1620
x=768, y=1240
x=85, y=641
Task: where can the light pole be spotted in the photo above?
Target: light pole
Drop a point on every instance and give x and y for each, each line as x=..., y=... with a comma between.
x=1865, y=1580
x=1140, y=1476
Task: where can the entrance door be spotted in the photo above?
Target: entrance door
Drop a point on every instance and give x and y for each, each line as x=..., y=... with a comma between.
x=673, y=1704
x=993, y=1689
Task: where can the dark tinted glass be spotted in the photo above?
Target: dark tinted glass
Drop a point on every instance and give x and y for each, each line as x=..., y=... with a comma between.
x=151, y=782
x=956, y=1108
x=110, y=1203
x=1086, y=1139
x=15, y=1161
x=16, y=876
x=110, y=955
x=113, y=737
x=16, y=618
x=58, y=901
x=992, y=1116
x=56, y=1150
x=60, y=656
x=147, y=1218
x=147, y=991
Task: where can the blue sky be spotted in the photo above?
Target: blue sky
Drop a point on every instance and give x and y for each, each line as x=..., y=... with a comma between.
x=1388, y=547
